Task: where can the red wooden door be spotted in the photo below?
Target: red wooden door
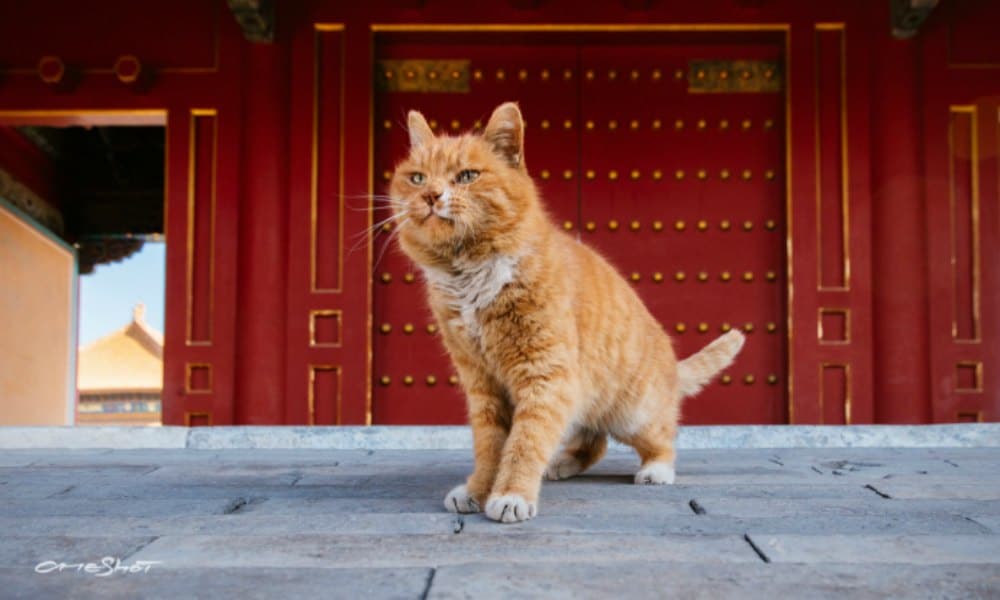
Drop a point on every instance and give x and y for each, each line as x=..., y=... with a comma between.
x=682, y=190
x=962, y=129
x=414, y=381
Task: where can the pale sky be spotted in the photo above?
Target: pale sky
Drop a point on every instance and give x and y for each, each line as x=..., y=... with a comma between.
x=108, y=295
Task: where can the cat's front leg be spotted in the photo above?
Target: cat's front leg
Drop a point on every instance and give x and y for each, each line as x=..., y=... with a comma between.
x=489, y=417
x=541, y=416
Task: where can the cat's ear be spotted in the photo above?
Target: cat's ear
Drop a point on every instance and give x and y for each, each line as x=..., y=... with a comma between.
x=505, y=132
x=420, y=131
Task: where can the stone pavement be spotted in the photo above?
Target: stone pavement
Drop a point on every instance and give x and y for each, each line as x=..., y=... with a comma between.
x=752, y=523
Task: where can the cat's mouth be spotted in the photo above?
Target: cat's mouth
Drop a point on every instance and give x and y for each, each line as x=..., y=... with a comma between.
x=433, y=213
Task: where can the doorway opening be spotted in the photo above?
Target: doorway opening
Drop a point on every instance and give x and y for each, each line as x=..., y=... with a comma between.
x=102, y=176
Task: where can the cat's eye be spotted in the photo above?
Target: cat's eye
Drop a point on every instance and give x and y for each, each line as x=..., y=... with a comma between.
x=417, y=178
x=467, y=176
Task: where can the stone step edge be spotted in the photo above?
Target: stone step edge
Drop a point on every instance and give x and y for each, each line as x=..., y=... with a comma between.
x=964, y=435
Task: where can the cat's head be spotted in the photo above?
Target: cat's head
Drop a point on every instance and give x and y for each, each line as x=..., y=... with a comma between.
x=453, y=189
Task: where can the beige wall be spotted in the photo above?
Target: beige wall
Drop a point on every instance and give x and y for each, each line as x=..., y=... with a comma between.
x=37, y=325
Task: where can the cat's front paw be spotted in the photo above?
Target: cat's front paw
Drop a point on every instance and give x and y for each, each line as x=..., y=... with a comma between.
x=510, y=508
x=655, y=474
x=459, y=500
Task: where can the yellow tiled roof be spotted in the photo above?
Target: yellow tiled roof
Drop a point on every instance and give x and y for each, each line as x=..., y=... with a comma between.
x=128, y=360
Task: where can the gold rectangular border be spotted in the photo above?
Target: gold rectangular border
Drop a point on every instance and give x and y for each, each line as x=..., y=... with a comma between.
x=195, y=114
x=196, y=413
x=573, y=27
x=182, y=70
x=326, y=312
x=394, y=79
x=845, y=214
x=370, y=250
x=87, y=116
x=188, y=371
x=311, y=400
x=733, y=85
x=969, y=109
x=784, y=28
x=978, y=414
x=847, y=392
x=978, y=366
x=318, y=30
x=847, y=326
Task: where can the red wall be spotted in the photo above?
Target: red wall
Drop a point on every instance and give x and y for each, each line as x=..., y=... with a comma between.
x=262, y=138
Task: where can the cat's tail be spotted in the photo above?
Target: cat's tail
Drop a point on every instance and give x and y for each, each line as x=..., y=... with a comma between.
x=698, y=369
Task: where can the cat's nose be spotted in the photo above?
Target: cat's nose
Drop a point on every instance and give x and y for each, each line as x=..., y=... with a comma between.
x=431, y=197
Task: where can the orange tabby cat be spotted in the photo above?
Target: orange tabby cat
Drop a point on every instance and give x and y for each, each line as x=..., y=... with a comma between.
x=554, y=349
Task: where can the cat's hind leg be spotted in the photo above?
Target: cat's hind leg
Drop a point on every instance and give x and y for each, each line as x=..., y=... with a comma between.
x=581, y=451
x=655, y=445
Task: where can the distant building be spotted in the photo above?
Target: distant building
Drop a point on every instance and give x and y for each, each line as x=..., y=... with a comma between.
x=120, y=376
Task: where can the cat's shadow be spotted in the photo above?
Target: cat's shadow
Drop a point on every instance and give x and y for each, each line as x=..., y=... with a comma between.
x=594, y=479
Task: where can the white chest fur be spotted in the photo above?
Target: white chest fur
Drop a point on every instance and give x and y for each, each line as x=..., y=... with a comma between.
x=473, y=287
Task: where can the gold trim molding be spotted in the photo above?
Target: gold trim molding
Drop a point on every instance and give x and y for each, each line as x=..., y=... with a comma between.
x=311, y=393
x=191, y=414
x=195, y=114
x=734, y=76
x=326, y=312
x=574, y=27
x=845, y=212
x=977, y=374
x=189, y=369
x=846, y=312
x=428, y=76
x=318, y=30
x=846, y=368
x=974, y=237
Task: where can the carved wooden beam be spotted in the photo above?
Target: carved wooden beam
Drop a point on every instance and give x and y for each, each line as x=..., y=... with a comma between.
x=909, y=15
x=256, y=19
x=28, y=202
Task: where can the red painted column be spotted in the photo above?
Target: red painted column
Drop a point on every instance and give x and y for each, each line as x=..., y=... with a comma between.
x=898, y=236
x=263, y=231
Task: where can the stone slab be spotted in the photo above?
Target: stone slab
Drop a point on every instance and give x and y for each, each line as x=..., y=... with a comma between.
x=506, y=544
x=990, y=521
x=61, y=506
x=260, y=514
x=965, y=490
x=656, y=580
x=162, y=582
x=840, y=507
x=28, y=551
x=865, y=549
x=967, y=435
x=93, y=437
x=236, y=524
x=653, y=523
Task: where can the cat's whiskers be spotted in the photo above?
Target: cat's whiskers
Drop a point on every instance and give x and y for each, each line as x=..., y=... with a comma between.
x=370, y=230
x=387, y=243
x=364, y=235
x=373, y=201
